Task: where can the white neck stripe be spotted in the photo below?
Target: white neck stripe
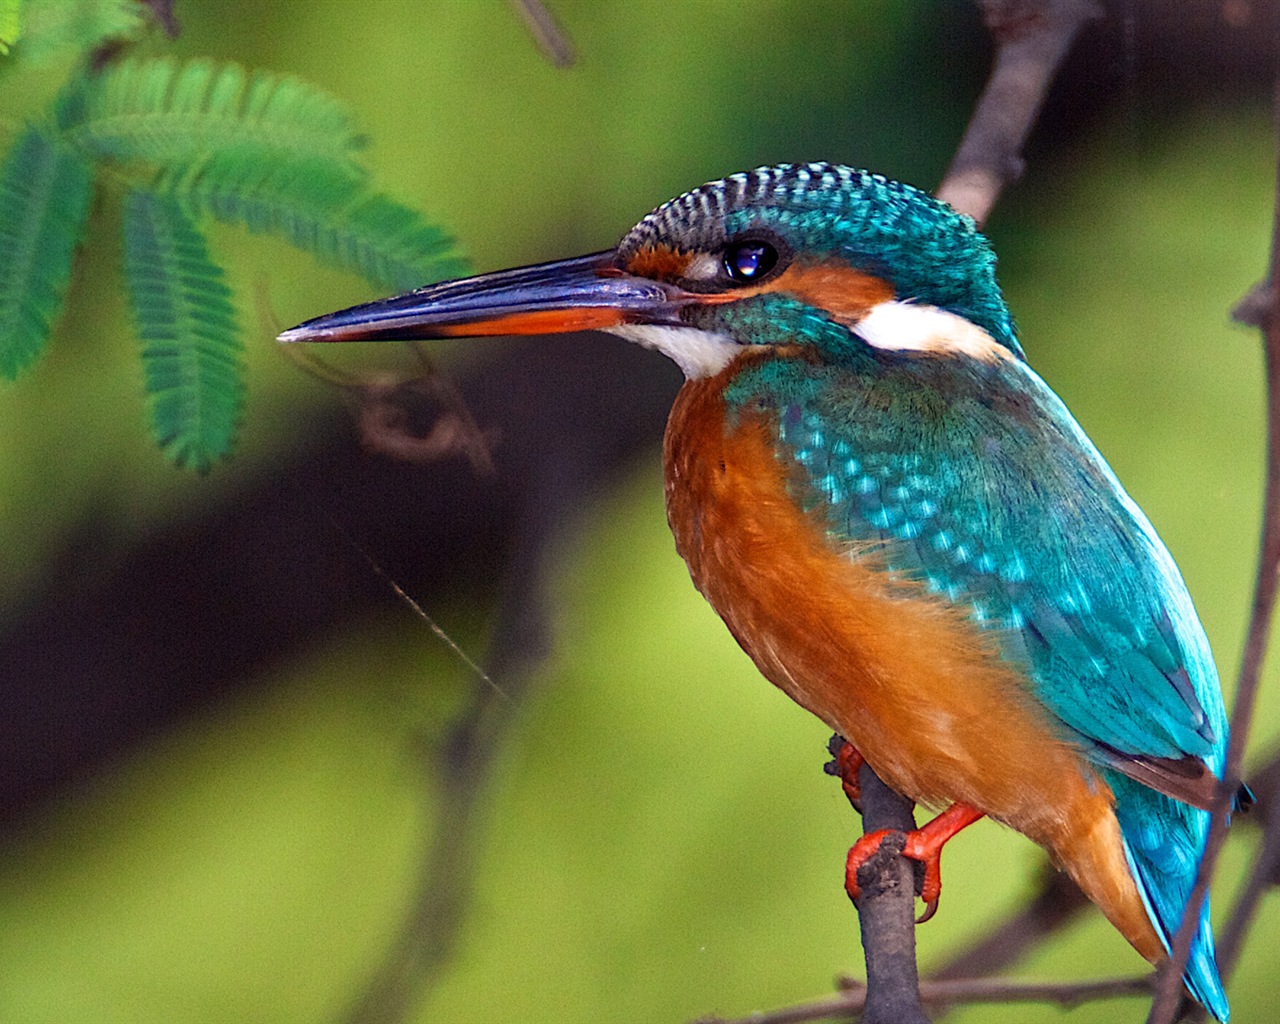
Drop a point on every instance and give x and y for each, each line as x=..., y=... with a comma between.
x=908, y=327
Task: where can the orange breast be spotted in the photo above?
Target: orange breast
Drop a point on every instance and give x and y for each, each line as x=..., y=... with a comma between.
x=904, y=674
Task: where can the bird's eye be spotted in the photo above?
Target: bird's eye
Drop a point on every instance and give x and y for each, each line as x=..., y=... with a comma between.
x=748, y=262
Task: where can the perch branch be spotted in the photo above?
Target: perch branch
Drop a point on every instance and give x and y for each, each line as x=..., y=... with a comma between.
x=886, y=909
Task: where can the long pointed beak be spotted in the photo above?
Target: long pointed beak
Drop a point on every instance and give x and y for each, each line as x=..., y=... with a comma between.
x=585, y=293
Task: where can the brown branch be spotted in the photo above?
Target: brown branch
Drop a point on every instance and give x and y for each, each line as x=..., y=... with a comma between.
x=1032, y=38
x=886, y=909
x=942, y=994
x=1169, y=991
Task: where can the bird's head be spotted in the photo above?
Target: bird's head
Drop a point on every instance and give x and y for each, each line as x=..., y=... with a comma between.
x=813, y=255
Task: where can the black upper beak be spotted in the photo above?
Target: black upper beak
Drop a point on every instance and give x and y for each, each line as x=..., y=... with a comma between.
x=584, y=293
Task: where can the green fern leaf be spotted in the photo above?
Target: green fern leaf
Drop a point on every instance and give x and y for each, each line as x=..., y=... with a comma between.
x=191, y=343
x=176, y=116
x=50, y=28
x=44, y=203
x=338, y=220
x=396, y=248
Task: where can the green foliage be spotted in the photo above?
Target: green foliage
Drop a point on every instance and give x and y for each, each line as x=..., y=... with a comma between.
x=318, y=207
x=171, y=114
x=44, y=202
x=191, y=343
x=50, y=28
x=190, y=141
x=10, y=24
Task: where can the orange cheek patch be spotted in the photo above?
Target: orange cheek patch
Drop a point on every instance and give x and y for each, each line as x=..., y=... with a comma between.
x=843, y=292
x=659, y=262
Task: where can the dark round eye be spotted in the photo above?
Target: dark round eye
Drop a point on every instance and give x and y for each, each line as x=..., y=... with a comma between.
x=748, y=262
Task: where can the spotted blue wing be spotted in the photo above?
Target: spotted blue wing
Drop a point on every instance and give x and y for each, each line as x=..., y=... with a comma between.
x=1003, y=506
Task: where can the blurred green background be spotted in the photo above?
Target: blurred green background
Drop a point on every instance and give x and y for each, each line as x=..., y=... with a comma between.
x=658, y=841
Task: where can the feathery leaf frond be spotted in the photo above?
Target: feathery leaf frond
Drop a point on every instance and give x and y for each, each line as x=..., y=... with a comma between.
x=44, y=204
x=337, y=219
x=191, y=343
x=191, y=141
x=176, y=115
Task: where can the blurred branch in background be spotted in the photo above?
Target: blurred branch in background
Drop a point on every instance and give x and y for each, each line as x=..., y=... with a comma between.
x=1032, y=39
x=461, y=767
x=547, y=33
x=1056, y=903
x=1260, y=308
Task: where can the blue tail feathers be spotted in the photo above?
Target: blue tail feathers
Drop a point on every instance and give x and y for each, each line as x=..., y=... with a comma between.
x=1163, y=842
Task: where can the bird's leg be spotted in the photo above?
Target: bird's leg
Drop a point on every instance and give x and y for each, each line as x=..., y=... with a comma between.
x=847, y=761
x=923, y=844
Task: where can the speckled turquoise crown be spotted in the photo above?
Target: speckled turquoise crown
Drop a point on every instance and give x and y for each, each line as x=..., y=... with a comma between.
x=920, y=245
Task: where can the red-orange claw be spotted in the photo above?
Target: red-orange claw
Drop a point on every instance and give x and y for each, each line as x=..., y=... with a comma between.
x=923, y=844
x=930, y=909
x=847, y=763
x=925, y=847
x=862, y=851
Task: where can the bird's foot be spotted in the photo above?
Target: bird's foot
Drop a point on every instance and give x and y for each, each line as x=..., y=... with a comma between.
x=847, y=761
x=923, y=844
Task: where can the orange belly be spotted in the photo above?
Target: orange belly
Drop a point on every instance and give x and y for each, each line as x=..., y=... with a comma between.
x=905, y=675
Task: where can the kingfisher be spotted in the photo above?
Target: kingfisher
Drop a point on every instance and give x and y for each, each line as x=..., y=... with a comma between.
x=900, y=522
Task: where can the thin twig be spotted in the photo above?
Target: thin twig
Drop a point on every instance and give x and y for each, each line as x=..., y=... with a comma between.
x=385, y=403
x=1056, y=903
x=1032, y=37
x=1265, y=872
x=552, y=41
x=961, y=990
x=1169, y=991
x=462, y=765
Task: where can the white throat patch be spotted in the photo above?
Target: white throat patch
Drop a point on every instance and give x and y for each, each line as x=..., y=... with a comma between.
x=697, y=353
x=908, y=327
